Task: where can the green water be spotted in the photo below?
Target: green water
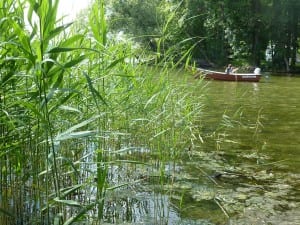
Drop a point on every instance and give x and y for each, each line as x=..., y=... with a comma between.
x=248, y=169
x=275, y=100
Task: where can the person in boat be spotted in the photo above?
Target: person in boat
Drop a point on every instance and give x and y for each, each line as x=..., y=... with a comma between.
x=230, y=69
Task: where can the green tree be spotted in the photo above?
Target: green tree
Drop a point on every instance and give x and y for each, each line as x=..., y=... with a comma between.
x=217, y=30
x=284, y=33
x=135, y=17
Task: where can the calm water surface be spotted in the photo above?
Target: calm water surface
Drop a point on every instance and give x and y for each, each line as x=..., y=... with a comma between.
x=274, y=101
x=254, y=158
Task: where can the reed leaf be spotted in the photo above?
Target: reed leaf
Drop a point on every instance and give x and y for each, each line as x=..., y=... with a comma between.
x=66, y=49
x=32, y=108
x=56, y=31
x=74, y=62
x=83, y=211
x=115, y=62
x=96, y=95
x=97, y=22
x=69, y=190
x=72, y=40
x=67, y=202
x=151, y=100
x=45, y=172
x=24, y=41
x=69, y=109
x=65, y=134
x=75, y=135
x=70, y=94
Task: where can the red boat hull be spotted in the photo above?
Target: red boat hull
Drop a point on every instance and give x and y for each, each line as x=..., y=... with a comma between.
x=246, y=77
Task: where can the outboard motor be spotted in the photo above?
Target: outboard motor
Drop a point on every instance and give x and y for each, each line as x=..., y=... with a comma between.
x=257, y=71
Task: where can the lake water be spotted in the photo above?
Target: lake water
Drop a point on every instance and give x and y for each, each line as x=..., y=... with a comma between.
x=250, y=162
x=246, y=171
x=275, y=102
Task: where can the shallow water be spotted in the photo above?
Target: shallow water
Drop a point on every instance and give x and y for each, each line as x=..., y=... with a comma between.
x=251, y=164
x=247, y=169
x=276, y=101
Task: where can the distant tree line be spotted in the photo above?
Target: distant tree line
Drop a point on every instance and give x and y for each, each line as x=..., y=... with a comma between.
x=248, y=32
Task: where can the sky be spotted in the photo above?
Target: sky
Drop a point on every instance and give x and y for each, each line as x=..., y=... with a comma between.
x=70, y=8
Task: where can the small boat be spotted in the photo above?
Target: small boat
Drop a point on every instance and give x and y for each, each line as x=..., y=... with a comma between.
x=215, y=75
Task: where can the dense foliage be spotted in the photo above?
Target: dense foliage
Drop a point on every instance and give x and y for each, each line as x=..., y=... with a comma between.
x=80, y=121
x=254, y=32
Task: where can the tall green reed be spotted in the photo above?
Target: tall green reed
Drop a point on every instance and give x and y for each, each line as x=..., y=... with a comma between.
x=43, y=60
x=97, y=24
x=66, y=96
